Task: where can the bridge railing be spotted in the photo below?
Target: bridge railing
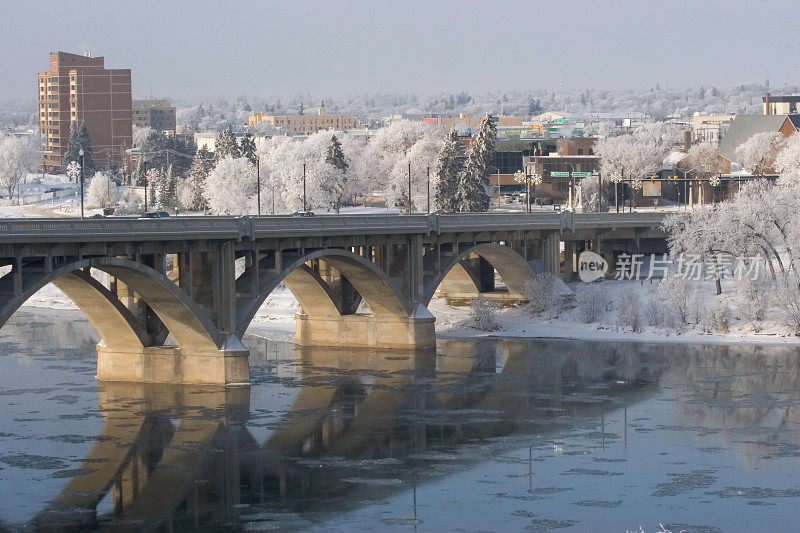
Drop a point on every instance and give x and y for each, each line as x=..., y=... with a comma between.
x=32, y=230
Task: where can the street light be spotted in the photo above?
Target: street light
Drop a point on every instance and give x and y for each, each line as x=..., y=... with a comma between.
x=80, y=153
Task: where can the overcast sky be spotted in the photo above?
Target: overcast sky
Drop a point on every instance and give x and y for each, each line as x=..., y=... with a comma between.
x=227, y=47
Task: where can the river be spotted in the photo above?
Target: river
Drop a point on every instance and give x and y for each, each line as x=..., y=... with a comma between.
x=485, y=435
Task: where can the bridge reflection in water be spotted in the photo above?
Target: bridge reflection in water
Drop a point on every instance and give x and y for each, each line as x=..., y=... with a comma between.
x=183, y=455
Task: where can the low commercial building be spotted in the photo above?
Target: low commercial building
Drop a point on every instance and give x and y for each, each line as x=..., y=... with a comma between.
x=306, y=124
x=780, y=105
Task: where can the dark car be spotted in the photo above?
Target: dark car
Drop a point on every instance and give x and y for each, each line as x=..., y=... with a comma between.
x=303, y=214
x=155, y=214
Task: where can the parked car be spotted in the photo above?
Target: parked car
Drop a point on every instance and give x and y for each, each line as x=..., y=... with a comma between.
x=155, y=214
x=303, y=214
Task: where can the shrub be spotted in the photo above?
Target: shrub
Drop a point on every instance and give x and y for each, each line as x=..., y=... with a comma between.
x=787, y=298
x=677, y=292
x=484, y=313
x=541, y=293
x=592, y=303
x=753, y=300
x=628, y=305
x=717, y=318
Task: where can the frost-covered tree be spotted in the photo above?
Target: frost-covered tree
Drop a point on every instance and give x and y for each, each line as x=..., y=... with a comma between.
x=450, y=164
x=757, y=154
x=635, y=156
x=335, y=187
x=703, y=159
x=79, y=139
x=475, y=185
x=18, y=156
x=225, y=145
x=788, y=159
x=230, y=188
x=165, y=188
x=383, y=164
x=247, y=148
x=190, y=189
x=140, y=134
x=102, y=191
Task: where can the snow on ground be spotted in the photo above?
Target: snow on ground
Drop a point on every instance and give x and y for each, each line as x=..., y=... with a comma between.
x=276, y=320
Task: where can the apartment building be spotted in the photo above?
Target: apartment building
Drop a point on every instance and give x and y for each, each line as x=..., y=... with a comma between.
x=80, y=88
x=156, y=114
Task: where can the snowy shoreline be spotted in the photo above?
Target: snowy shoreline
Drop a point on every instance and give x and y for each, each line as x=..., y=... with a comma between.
x=275, y=321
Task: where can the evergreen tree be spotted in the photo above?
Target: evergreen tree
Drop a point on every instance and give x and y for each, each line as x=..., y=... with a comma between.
x=302, y=109
x=85, y=143
x=336, y=187
x=449, y=166
x=195, y=183
x=475, y=184
x=247, y=148
x=73, y=145
x=225, y=145
x=138, y=174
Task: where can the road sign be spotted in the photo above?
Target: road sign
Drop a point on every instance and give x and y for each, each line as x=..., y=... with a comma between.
x=560, y=174
x=581, y=174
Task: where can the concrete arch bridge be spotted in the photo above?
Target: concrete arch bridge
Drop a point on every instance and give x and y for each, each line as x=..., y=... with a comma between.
x=171, y=298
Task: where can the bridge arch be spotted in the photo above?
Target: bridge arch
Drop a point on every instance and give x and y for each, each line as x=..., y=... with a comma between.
x=511, y=266
x=315, y=295
x=119, y=329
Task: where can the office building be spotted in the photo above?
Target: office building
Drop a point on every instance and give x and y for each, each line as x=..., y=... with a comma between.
x=80, y=88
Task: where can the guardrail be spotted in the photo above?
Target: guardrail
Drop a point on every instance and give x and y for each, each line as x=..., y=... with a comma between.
x=36, y=230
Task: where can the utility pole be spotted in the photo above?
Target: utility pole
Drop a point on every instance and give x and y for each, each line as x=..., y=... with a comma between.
x=304, y=188
x=408, y=209
x=144, y=173
x=258, y=184
x=429, y=189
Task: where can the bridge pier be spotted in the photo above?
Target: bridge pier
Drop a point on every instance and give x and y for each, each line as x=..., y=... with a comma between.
x=168, y=364
x=366, y=331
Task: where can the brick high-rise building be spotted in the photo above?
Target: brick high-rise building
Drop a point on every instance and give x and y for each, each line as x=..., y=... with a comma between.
x=80, y=88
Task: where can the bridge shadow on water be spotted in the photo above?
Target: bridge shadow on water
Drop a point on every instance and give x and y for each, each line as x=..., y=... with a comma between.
x=362, y=426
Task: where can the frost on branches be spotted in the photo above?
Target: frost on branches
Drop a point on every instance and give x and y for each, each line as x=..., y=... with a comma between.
x=634, y=156
x=231, y=187
x=760, y=221
x=757, y=154
x=449, y=167
x=102, y=191
x=475, y=186
x=18, y=156
x=788, y=159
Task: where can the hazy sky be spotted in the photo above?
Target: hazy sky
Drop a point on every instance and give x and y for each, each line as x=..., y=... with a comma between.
x=227, y=47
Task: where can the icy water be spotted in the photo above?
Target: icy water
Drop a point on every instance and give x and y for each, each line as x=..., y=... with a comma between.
x=489, y=435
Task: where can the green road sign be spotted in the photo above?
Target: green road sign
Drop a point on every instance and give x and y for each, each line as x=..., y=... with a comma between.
x=560, y=174
x=581, y=174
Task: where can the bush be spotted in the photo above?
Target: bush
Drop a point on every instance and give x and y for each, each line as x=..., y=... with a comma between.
x=628, y=305
x=484, y=313
x=541, y=292
x=718, y=318
x=592, y=303
x=676, y=292
x=753, y=300
x=787, y=298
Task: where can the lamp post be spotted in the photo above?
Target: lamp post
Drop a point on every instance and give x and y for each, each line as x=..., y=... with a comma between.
x=258, y=184
x=80, y=153
x=685, y=186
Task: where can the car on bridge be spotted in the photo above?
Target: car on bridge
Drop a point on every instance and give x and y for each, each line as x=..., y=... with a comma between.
x=155, y=214
x=303, y=214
